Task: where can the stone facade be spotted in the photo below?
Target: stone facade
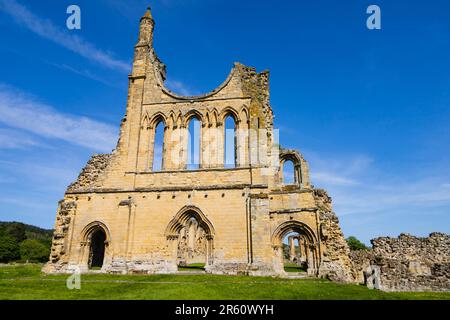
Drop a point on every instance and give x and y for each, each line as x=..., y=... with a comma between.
x=234, y=219
x=406, y=263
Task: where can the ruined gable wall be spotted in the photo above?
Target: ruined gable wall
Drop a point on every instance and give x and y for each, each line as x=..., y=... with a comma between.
x=136, y=205
x=130, y=163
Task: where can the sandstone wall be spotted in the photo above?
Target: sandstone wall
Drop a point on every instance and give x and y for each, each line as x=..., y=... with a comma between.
x=406, y=263
x=245, y=211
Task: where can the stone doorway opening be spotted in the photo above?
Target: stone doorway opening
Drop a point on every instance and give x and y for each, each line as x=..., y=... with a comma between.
x=295, y=253
x=97, y=249
x=191, y=235
x=94, y=247
x=192, y=247
x=295, y=249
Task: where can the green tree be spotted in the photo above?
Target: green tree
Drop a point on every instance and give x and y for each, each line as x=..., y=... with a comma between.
x=9, y=249
x=355, y=244
x=34, y=251
x=17, y=231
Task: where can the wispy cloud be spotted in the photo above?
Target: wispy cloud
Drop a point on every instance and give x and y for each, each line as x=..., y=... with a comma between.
x=338, y=171
x=46, y=29
x=328, y=178
x=66, y=67
x=359, y=187
x=17, y=110
x=87, y=74
x=25, y=202
x=387, y=199
x=51, y=173
x=14, y=139
x=179, y=88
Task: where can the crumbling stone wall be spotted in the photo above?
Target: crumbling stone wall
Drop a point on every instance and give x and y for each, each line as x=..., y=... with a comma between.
x=90, y=173
x=336, y=264
x=60, y=241
x=406, y=263
x=360, y=262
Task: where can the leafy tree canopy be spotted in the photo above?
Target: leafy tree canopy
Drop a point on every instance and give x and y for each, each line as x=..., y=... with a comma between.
x=32, y=250
x=355, y=244
x=25, y=242
x=9, y=249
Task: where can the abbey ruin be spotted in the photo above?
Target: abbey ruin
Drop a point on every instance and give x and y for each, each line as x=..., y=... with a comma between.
x=128, y=214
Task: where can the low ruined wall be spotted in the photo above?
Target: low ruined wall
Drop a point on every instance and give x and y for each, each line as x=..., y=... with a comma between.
x=361, y=260
x=406, y=263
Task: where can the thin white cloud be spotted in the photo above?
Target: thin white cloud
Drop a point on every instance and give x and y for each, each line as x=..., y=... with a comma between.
x=360, y=188
x=412, y=196
x=373, y=200
x=49, y=173
x=328, y=178
x=25, y=202
x=4, y=180
x=338, y=171
x=179, y=88
x=14, y=139
x=87, y=74
x=19, y=111
x=46, y=29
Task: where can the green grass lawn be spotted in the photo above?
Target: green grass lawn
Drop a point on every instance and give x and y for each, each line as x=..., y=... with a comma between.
x=293, y=267
x=27, y=282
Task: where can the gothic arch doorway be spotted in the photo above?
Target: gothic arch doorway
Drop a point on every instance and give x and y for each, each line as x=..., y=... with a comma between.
x=190, y=236
x=94, y=245
x=97, y=249
x=305, y=254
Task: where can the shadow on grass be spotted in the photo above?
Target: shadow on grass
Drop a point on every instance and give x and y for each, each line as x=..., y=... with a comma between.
x=192, y=267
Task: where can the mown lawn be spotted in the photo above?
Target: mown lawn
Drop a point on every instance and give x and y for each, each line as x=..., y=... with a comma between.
x=293, y=267
x=27, y=282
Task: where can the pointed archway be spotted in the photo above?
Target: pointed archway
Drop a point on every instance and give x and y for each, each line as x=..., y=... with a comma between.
x=97, y=249
x=94, y=245
x=310, y=245
x=190, y=237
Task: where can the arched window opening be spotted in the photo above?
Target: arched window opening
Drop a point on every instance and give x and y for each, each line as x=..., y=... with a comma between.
x=230, y=154
x=288, y=172
x=158, y=147
x=97, y=249
x=193, y=148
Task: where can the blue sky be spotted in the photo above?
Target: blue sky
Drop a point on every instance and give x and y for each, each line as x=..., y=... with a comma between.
x=370, y=110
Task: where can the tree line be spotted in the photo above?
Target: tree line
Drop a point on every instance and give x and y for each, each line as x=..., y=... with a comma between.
x=20, y=242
